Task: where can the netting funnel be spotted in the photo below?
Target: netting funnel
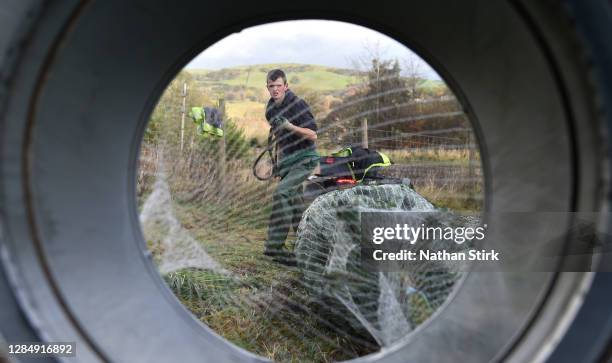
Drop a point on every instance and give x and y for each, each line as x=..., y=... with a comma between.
x=384, y=306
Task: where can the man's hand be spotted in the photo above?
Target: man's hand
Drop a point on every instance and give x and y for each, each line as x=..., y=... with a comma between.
x=279, y=123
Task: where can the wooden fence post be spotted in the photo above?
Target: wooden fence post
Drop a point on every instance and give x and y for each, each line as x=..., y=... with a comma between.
x=364, y=133
x=183, y=110
x=222, y=156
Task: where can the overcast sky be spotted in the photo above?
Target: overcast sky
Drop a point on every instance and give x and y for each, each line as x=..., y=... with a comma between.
x=328, y=43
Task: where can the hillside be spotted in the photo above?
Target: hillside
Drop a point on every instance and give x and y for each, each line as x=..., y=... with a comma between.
x=243, y=88
x=319, y=78
x=314, y=77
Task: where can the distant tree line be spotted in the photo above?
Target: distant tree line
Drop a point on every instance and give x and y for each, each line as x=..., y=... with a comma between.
x=394, y=104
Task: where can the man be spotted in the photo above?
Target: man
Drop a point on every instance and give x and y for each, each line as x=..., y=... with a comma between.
x=295, y=130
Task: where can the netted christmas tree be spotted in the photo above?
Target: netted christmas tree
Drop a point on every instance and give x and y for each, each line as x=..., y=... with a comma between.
x=384, y=305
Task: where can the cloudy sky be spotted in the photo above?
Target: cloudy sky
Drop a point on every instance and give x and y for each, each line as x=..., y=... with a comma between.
x=322, y=42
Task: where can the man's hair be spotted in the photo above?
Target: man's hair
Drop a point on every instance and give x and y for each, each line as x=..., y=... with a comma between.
x=275, y=74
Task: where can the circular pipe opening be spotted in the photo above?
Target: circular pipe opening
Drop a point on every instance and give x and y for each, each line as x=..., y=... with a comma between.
x=71, y=136
x=405, y=143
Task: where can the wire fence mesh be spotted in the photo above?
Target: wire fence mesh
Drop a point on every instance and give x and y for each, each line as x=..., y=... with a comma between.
x=202, y=208
x=443, y=163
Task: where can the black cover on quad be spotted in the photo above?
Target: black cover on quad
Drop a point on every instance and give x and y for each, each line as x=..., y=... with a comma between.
x=357, y=164
x=354, y=162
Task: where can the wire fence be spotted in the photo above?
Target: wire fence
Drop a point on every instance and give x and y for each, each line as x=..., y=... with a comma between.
x=444, y=164
x=204, y=218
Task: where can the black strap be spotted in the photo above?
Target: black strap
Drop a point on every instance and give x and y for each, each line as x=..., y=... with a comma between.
x=272, y=150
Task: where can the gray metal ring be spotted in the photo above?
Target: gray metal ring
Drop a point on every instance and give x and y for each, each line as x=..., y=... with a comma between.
x=85, y=76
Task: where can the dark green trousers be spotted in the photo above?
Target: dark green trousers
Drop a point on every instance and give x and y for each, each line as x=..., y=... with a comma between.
x=288, y=202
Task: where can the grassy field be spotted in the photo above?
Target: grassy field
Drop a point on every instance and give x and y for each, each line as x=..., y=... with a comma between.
x=250, y=308
x=249, y=116
x=244, y=109
x=319, y=78
x=432, y=85
x=314, y=77
x=262, y=306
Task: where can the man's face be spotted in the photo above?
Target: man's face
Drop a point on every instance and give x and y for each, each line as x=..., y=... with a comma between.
x=277, y=89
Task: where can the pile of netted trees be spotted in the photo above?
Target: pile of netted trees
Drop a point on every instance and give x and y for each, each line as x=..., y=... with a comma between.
x=384, y=306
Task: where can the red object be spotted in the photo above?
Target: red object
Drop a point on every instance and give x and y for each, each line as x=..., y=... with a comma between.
x=329, y=160
x=346, y=181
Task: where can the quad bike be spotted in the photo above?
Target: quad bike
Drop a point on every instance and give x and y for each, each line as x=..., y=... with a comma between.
x=347, y=168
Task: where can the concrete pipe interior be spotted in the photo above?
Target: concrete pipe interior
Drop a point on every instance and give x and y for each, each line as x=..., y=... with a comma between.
x=88, y=75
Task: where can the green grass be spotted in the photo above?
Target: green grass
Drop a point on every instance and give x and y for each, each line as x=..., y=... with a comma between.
x=249, y=116
x=241, y=109
x=325, y=80
x=315, y=77
x=431, y=83
x=246, y=308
